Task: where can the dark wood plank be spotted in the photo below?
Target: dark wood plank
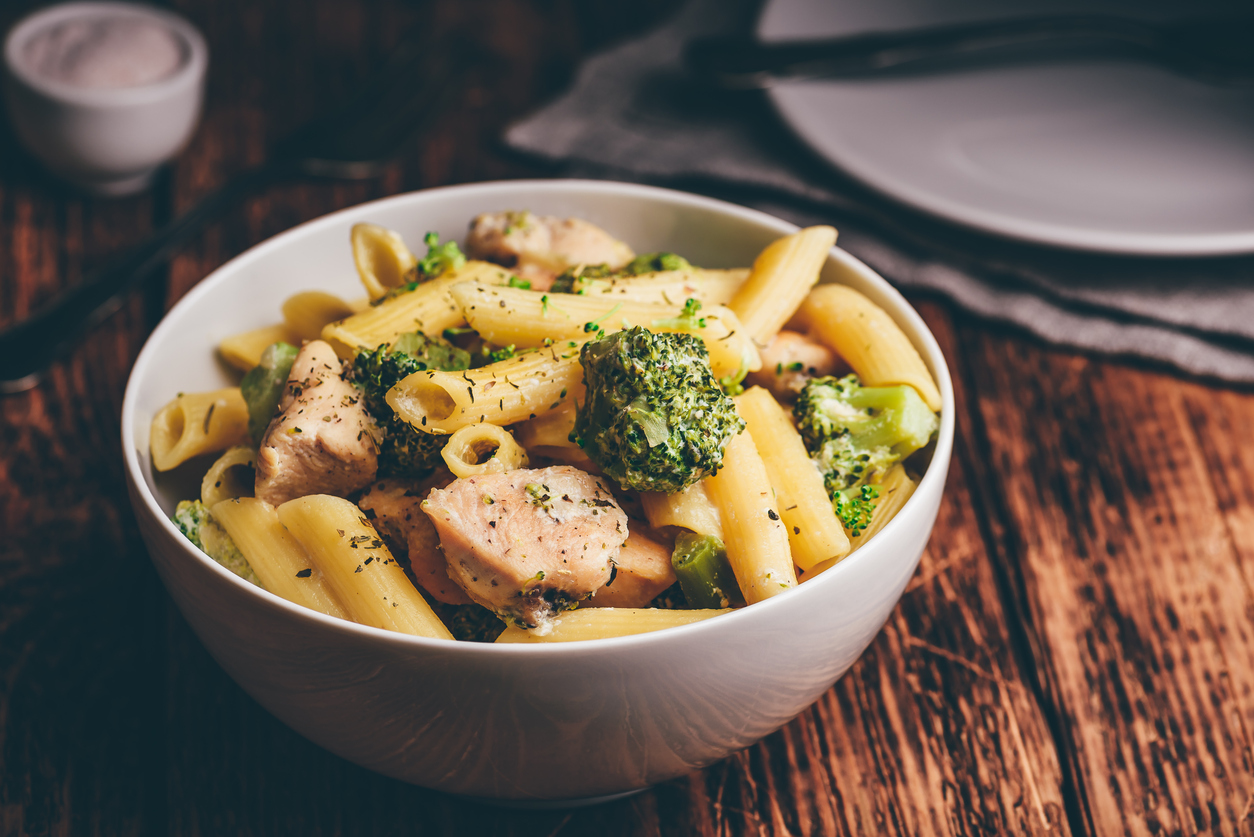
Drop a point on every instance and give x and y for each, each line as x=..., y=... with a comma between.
x=1127, y=519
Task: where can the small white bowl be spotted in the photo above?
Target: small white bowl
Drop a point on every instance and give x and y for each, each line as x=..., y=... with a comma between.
x=528, y=724
x=105, y=140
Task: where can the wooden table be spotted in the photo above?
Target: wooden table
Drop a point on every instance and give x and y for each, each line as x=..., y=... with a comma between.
x=1075, y=655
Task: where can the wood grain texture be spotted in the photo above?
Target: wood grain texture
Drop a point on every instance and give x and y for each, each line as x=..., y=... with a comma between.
x=1074, y=655
x=1125, y=533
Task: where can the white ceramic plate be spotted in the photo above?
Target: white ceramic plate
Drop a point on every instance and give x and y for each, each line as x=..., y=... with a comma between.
x=1095, y=155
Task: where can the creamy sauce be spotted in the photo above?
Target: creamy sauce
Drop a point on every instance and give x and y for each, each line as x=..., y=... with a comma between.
x=105, y=52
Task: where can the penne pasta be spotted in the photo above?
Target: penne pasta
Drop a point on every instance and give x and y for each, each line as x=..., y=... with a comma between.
x=524, y=523
x=669, y=287
x=782, y=275
x=427, y=308
x=607, y=622
x=690, y=509
x=383, y=261
x=482, y=449
x=307, y=314
x=358, y=566
x=243, y=351
x=229, y=477
x=551, y=430
x=814, y=532
x=197, y=423
x=279, y=561
x=868, y=339
x=516, y=317
x=505, y=392
x=757, y=543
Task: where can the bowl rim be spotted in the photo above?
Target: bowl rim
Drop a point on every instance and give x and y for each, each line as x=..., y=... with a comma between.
x=185, y=78
x=930, y=350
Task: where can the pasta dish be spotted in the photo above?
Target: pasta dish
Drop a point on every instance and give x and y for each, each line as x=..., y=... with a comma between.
x=544, y=437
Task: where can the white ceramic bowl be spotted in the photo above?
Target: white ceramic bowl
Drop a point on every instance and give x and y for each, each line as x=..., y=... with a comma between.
x=105, y=140
x=525, y=723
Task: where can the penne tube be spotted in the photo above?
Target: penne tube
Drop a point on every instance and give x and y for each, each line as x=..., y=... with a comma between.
x=782, y=275
x=754, y=534
x=383, y=261
x=243, y=351
x=867, y=338
x=606, y=622
x=689, y=509
x=551, y=430
x=527, y=319
x=482, y=449
x=501, y=393
x=306, y=314
x=814, y=532
x=428, y=308
x=229, y=477
x=670, y=287
x=358, y=566
x=197, y=423
x=280, y=562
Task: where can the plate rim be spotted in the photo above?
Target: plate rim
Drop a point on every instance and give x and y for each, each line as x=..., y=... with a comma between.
x=785, y=99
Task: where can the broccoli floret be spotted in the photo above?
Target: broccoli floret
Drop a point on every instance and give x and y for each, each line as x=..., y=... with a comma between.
x=262, y=387
x=195, y=521
x=654, y=418
x=439, y=258
x=577, y=279
x=404, y=451
x=654, y=263
x=468, y=623
x=856, y=433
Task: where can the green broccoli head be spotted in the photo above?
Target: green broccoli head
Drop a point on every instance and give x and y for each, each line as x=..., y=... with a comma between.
x=404, y=451
x=654, y=263
x=439, y=258
x=200, y=527
x=262, y=387
x=577, y=279
x=654, y=418
x=854, y=433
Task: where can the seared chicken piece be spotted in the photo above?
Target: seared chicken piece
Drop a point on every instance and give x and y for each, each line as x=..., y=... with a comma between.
x=320, y=443
x=791, y=359
x=528, y=544
x=642, y=570
x=395, y=506
x=539, y=247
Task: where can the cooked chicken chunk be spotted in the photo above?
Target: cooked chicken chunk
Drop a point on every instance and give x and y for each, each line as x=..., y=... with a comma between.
x=642, y=570
x=529, y=543
x=790, y=360
x=396, y=508
x=539, y=247
x=320, y=442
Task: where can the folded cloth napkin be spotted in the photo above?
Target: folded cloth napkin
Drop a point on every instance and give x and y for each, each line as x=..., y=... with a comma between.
x=633, y=114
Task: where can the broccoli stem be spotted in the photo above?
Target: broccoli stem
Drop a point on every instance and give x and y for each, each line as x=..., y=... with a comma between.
x=262, y=387
x=704, y=573
x=899, y=419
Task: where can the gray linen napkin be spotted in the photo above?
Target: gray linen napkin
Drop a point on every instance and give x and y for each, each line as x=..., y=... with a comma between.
x=632, y=114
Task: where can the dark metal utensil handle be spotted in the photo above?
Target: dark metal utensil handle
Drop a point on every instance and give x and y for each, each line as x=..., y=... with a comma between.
x=30, y=346
x=1214, y=48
